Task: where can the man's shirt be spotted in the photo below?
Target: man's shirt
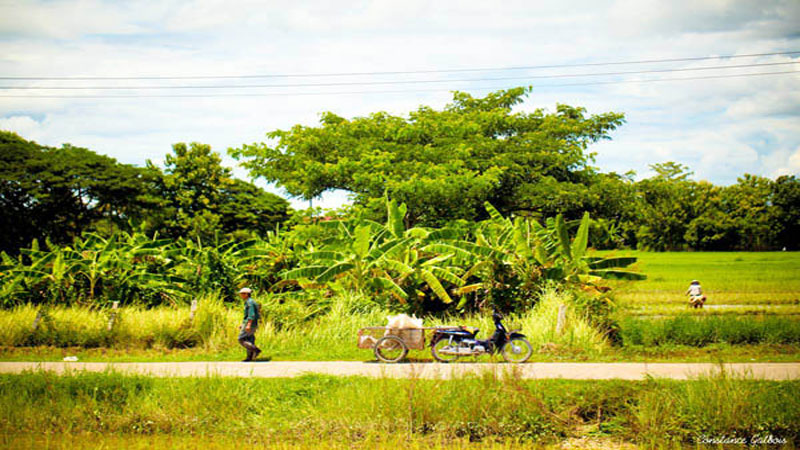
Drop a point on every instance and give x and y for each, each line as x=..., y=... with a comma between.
x=250, y=313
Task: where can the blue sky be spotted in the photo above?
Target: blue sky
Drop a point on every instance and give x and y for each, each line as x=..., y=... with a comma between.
x=721, y=128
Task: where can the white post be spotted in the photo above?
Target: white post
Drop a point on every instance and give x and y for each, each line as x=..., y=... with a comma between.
x=562, y=318
x=192, y=310
x=113, y=315
x=37, y=319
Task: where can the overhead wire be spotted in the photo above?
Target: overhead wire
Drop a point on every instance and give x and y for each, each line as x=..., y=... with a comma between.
x=398, y=82
x=398, y=72
x=284, y=94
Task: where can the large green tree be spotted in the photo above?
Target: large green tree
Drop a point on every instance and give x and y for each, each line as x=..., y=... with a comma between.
x=58, y=193
x=667, y=208
x=444, y=164
x=201, y=199
x=786, y=198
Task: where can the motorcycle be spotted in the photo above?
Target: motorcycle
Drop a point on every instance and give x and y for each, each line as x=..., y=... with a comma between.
x=449, y=344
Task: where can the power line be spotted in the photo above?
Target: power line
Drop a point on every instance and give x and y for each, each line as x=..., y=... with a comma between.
x=397, y=82
x=288, y=94
x=397, y=72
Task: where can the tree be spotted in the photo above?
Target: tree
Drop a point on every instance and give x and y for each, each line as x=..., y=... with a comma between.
x=667, y=207
x=749, y=202
x=786, y=199
x=57, y=193
x=712, y=226
x=200, y=198
x=443, y=164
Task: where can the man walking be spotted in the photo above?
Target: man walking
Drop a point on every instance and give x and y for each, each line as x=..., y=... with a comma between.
x=247, y=335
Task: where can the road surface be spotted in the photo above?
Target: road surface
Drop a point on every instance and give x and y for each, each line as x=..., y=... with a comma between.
x=276, y=369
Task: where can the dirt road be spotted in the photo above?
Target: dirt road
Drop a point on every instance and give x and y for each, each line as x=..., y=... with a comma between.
x=273, y=369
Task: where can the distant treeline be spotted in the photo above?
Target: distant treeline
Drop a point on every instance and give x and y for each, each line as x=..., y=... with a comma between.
x=59, y=193
x=444, y=165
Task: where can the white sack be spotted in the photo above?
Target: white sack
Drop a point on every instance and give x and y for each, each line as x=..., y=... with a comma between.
x=403, y=321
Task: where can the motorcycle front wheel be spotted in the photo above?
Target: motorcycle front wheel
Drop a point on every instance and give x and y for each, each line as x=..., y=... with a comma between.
x=517, y=350
x=436, y=351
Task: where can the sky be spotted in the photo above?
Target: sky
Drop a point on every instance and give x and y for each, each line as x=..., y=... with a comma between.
x=720, y=127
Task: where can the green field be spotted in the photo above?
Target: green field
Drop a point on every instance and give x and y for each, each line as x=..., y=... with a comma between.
x=728, y=278
x=354, y=411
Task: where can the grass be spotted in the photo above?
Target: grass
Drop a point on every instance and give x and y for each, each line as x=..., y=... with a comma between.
x=287, y=330
x=293, y=331
x=353, y=411
x=149, y=442
x=660, y=310
x=733, y=278
x=699, y=331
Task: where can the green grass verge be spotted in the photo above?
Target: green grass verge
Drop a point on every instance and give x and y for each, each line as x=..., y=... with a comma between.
x=351, y=410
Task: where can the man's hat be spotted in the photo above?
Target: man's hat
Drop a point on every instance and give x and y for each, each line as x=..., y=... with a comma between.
x=245, y=290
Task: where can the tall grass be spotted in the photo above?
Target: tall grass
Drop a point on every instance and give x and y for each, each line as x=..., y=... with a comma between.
x=73, y=326
x=700, y=331
x=290, y=329
x=482, y=408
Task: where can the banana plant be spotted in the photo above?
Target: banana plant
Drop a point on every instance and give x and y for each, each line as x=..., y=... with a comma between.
x=519, y=255
x=52, y=270
x=220, y=267
x=358, y=264
x=372, y=257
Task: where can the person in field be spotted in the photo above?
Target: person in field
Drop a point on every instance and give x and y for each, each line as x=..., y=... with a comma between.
x=247, y=330
x=695, y=293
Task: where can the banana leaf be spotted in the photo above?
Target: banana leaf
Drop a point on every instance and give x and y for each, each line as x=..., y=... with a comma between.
x=609, y=263
x=332, y=272
x=611, y=274
x=304, y=272
x=435, y=285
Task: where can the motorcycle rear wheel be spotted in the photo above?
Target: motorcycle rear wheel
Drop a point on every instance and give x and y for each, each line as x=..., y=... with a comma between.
x=390, y=349
x=517, y=350
x=437, y=347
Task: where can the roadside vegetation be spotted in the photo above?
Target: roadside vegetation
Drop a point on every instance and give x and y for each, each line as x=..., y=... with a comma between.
x=492, y=407
x=294, y=330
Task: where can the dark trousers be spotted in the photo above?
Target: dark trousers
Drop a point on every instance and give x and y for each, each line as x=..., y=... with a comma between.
x=248, y=341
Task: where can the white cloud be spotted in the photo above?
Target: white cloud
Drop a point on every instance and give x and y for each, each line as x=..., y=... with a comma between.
x=783, y=163
x=22, y=125
x=66, y=19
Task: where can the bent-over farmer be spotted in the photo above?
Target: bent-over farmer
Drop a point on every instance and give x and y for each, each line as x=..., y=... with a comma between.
x=695, y=293
x=247, y=334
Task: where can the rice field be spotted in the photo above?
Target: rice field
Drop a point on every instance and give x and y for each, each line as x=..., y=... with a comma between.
x=727, y=278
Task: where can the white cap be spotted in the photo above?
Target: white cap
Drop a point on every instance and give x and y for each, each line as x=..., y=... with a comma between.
x=245, y=290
